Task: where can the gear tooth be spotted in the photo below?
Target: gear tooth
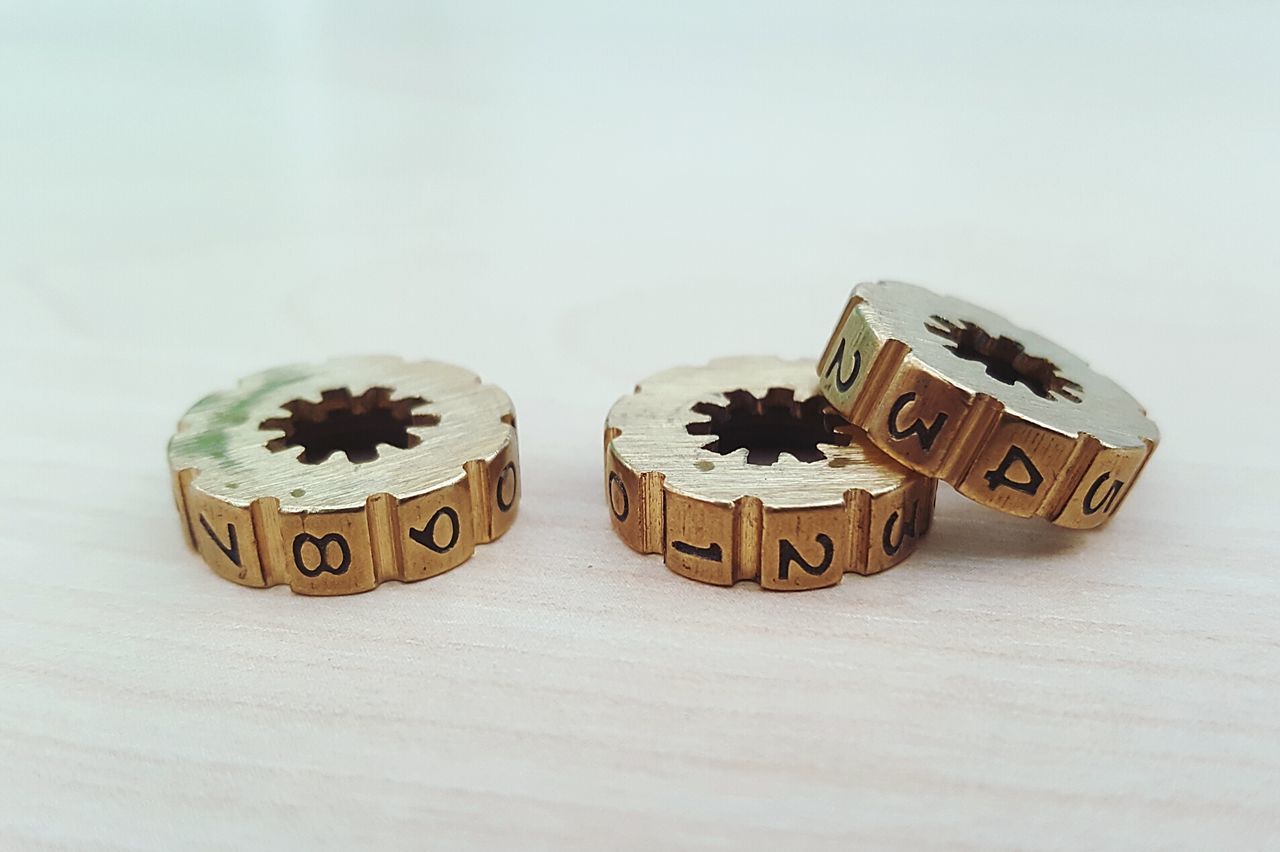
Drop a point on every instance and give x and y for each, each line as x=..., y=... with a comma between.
x=883, y=372
x=1085, y=449
x=635, y=499
x=980, y=422
x=264, y=514
x=283, y=425
x=653, y=486
x=381, y=512
x=857, y=505
x=478, y=492
x=748, y=531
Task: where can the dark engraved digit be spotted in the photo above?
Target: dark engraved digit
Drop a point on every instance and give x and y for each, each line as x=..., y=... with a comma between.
x=711, y=553
x=891, y=547
x=231, y=551
x=787, y=554
x=1108, y=500
x=844, y=383
x=925, y=434
x=615, y=481
x=508, y=474
x=321, y=544
x=427, y=535
x=1000, y=475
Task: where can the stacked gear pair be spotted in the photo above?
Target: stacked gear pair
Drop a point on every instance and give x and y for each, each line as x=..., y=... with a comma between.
x=336, y=478
x=756, y=468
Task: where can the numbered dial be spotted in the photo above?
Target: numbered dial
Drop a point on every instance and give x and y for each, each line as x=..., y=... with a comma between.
x=740, y=471
x=1008, y=418
x=334, y=478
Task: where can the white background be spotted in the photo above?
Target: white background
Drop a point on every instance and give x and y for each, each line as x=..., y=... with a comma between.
x=566, y=198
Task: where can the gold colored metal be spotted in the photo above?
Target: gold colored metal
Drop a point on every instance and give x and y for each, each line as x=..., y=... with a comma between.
x=1008, y=418
x=740, y=471
x=338, y=477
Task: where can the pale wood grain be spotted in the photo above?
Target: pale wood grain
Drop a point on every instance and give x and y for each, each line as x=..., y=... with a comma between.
x=194, y=197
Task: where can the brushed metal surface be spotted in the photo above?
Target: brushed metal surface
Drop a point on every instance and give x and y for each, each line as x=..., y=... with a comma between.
x=220, y=436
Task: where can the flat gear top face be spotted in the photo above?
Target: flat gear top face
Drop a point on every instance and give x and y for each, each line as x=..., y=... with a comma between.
x=1010, y=419
x=287, y=433
x=985, y=353
x=655, y=434
x=739, y=471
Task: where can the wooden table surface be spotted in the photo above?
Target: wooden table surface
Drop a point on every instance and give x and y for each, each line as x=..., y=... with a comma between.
x=566, y=199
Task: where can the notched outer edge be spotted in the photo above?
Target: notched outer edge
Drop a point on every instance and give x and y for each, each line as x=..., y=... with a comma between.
x=857, y=505
x=748, y=519
x=381, y=512
x=981, y=419
x=886, y=368
x=382, y=517
x=264, y=513
x=1083, y=453
x=653, y=488
x=837, y=335
x=477, y=475
x=1137, y=475
x=891, y=365
x=649, y=503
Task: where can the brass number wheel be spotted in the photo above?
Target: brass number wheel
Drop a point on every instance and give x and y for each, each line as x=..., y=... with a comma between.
x=1008, y=418
x=334, y=478
x=739, y=471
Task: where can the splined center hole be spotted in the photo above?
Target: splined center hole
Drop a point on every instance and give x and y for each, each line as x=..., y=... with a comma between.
x=770, y=426
x=343, y=423
x=1006, y=359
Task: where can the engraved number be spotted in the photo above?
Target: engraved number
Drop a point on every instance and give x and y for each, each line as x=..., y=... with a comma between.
x=320, y=545
x=787, y=554
x=1000, y=475
x=908, y=530
x=232, y=550
x=508, y=476
x=427, y=535
x=618, y=489
x=843, y=383
x=1108, y=501
x=711, y=553
x=926, y=435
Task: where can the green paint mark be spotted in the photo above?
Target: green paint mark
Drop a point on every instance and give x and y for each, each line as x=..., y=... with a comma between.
x=297, y=492
x=211, y=441
x=704, y=466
